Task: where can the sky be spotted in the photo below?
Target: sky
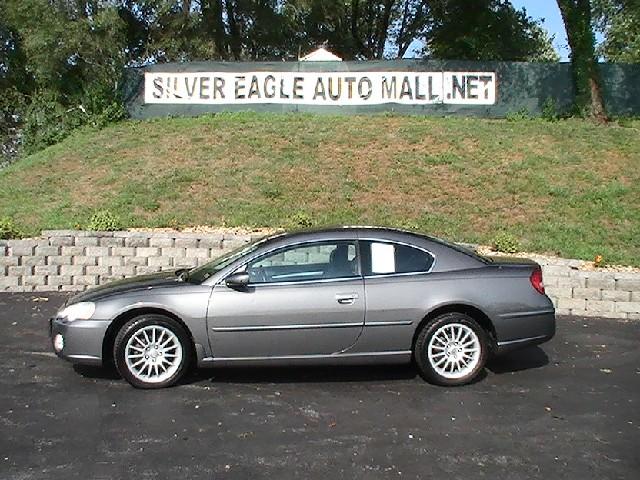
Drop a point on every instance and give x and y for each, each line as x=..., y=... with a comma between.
x=549, y=11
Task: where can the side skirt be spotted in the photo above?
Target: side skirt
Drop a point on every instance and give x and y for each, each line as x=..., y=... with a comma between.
x=368, y=358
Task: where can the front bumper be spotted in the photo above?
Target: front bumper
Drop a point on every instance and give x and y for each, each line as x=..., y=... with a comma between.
x=81, y=340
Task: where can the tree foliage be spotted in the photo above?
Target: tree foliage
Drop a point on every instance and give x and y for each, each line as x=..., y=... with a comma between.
x=141, y=31
x=13, y=86
x=619, y=22
x=72, y=59
x=62, y=61
x=486, y=30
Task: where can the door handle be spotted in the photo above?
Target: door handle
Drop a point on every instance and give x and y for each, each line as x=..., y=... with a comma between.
x=346, y=298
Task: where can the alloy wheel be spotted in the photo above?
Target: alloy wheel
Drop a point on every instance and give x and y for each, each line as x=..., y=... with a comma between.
x=153, y=354
x=454, y=350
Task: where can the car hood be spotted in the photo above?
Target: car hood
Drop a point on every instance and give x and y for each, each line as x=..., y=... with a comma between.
x=142, y=282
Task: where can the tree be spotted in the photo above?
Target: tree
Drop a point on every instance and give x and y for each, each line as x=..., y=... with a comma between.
x=586, y=74
x=14, y=85
x=410, y=23
x=485, y=30
x=353, y=29
x=213, y=25
x=619, y=22
x=544, y=51
x=73, y=60
x=370, y=26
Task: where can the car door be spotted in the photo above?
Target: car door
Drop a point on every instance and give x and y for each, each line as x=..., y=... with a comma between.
x=394, y=275
x=304, y=299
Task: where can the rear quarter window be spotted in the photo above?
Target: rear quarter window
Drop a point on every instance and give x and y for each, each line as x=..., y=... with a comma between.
x=388, y=258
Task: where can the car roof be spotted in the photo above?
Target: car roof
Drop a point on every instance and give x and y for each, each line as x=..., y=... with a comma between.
x=450, y=255
x=358, y=229
x=347, y=231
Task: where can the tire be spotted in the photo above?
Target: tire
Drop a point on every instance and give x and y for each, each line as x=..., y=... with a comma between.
x=152, y=351
x=451, y=350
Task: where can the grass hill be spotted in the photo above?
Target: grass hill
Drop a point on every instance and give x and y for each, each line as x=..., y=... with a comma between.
x=569, y=187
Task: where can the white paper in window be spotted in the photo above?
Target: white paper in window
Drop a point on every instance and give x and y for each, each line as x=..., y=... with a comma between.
x=383, y=258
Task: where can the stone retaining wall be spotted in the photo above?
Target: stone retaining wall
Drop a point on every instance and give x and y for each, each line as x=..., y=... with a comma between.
x=69, y=260
x=592, y=293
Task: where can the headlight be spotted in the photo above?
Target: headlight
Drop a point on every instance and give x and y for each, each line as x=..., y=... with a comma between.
x=78, y=311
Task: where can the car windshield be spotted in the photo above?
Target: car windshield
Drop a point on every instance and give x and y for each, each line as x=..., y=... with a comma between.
x=200, y=274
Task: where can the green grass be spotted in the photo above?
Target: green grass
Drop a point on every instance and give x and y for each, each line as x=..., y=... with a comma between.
x=571, y=188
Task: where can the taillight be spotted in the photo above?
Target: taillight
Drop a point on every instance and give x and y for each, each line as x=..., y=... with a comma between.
x=536, y=280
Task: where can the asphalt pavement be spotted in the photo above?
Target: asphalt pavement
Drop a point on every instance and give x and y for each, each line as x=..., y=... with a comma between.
x=567, y=409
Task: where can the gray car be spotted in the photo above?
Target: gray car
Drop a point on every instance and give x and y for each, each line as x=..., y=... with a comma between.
x=336, y=296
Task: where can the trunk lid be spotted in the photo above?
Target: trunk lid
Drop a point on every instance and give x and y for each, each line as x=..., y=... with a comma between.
x=523, y=267
x=511, y=262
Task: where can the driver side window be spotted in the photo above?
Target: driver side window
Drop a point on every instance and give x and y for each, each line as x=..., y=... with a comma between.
x=315, y=261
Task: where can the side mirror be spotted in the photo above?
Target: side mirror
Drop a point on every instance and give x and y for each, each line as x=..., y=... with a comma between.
x=238, y=280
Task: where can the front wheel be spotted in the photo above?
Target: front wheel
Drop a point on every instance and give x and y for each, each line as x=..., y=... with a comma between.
x=152, y=351
x=451, y=350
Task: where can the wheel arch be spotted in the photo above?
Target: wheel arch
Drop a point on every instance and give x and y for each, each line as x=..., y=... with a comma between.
x=472, y=311
x=118, y=322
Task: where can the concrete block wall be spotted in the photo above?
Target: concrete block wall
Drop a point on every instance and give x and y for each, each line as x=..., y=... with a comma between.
x=593, y=293
x=70, y=260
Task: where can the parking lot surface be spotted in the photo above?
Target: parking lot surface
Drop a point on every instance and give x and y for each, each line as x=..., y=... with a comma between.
x=568, y=409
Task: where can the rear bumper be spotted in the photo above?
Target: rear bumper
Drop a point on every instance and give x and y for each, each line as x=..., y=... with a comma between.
x=533, y=328
x=79, y=342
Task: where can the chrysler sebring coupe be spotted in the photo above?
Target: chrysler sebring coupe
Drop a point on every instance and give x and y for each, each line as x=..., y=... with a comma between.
x=347, y=295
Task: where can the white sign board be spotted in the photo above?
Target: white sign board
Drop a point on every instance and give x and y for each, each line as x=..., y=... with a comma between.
x=321, y=88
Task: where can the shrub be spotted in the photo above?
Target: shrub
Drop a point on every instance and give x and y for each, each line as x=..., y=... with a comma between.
x=625, y=122
x=301, y=220
x=47, y=121
x=8, y=229
x=11, y=106
x=104, y=221
x=550, y=110
x=505, y=242
x=173, y=223
x=111, y=113
x=519, y=115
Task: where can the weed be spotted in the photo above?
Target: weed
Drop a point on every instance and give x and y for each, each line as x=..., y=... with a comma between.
x=8, y=229
x=506, y=243
x=104, y=221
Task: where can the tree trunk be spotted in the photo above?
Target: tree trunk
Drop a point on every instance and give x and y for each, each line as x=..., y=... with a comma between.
x=186, y=7
x=586, y=74
x=355, y=36
x=384, y=28
x=234, y=31
x=214, y=25
x=402, y=45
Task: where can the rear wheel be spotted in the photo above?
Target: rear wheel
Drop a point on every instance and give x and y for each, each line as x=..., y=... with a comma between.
x=451, y=350
x=152, y=351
